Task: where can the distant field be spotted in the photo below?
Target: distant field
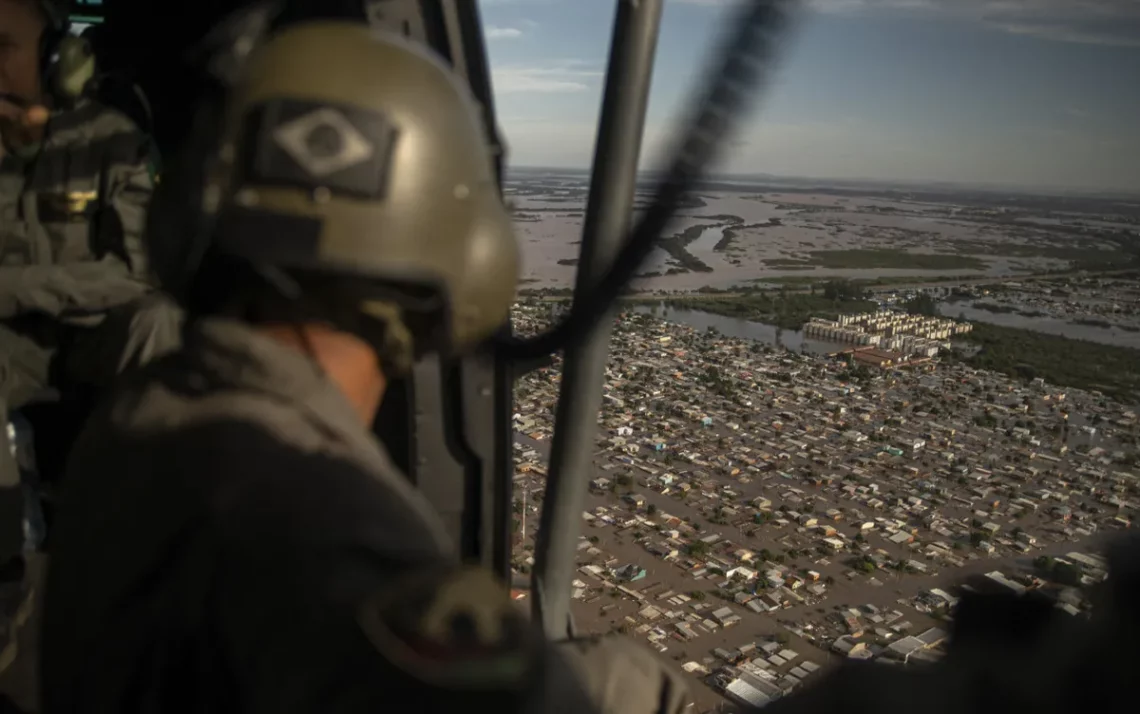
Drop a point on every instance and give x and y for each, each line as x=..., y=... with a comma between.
x=875, y=258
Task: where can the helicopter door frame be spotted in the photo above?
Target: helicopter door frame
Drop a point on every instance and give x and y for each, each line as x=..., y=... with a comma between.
x=609, y=212
x=448, y=426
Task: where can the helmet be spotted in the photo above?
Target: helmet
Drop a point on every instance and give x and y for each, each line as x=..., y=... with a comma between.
x=352, y=151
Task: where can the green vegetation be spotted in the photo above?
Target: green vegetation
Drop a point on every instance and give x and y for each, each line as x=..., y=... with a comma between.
x=1092, y=322
x=788, y=311
x=1112, y=370
x=1058, y=572
x=789, y=264
x=922, y=305
x=875, y=258
x=806, y=280
x=1075, y=250
x=675, y=246
x=872, y=258
x=731, y=232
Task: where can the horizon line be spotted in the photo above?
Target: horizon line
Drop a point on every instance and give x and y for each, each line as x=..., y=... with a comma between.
x=1046, y=190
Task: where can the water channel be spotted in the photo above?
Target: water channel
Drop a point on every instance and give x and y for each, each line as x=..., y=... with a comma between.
x=742, y=329
x=1045, y=324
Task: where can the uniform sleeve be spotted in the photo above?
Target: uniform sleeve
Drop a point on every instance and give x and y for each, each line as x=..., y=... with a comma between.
x=321, y=569
x=132, y=182
x=72, y=290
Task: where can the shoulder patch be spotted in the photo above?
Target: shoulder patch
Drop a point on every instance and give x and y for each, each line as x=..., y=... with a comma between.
x=452, y=628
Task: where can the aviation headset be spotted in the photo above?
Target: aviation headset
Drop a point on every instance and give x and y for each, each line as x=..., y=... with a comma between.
x=67, y=62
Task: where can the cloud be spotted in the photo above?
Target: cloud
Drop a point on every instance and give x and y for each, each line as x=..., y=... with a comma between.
x=1093, y=22
x=1074, y=33
x=562, y=77
x=502, y=33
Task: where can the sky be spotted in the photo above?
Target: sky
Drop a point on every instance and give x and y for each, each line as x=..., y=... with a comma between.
x=1029, y=93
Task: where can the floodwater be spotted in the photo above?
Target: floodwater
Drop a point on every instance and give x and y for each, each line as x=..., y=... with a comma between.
x=807, y=222
x=742, y=329
x=704, y=247
x=1047, y=325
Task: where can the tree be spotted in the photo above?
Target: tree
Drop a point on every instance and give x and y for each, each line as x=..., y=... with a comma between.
x=651, y=509
x=698, y=548
x=922, y=305
x=697, y=595
x=1066, y=574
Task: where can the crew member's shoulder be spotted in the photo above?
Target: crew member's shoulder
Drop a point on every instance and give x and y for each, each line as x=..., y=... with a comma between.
x=95, y=125
x=95, y=117
x=172, y=394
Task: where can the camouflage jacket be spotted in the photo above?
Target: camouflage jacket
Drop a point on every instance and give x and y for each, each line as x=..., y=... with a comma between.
x=72, y=213
x=230, y=537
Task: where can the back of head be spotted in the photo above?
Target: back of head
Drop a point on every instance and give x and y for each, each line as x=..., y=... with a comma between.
x=353, y=154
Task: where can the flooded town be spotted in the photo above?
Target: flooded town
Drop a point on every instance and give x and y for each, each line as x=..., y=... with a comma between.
x=791, y=472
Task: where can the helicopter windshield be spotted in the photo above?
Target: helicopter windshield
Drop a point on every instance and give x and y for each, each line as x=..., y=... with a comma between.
x=881, y=359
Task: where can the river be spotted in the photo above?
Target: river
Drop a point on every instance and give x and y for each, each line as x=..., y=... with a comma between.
x=1047, y=325
x=742, y=329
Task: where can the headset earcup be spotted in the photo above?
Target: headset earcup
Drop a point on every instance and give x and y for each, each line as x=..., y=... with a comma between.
x=74, y=68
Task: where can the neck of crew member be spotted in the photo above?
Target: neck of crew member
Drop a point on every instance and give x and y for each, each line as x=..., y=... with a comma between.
x=348, y=361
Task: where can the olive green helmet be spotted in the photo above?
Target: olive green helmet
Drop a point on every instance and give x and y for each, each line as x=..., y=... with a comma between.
x=349, y=150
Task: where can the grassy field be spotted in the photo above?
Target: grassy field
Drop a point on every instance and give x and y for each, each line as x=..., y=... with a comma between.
x=873, y=258
x=878, y=258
